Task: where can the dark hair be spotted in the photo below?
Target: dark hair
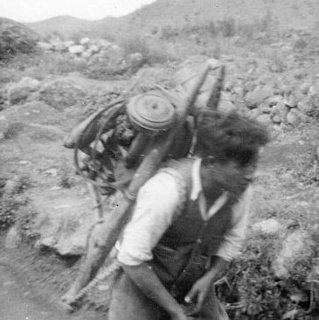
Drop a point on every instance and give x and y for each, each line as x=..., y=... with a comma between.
x=229, y=137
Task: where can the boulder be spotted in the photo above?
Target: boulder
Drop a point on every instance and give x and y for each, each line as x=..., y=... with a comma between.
x=279, y=112
x=295, y=247
x=64, y=219
x=69, y=43
x=276, y=119
x=86, y=54
x=225, y=104
x=314, y=103
x=306, y=106
x=268, y=226
x=102, y=43
x=272, y=101
x=45, y=46
x=254, y=113
x=60, y=46
x=61, y=93
x=85, y=41
x=291, y=101
x=265, y=108
x=264, y=119
x=295, y=117
x=257, y=96
x=76, y=49
x=93, y=48
x=134, y=60
x=304, y=88
x=19, y=92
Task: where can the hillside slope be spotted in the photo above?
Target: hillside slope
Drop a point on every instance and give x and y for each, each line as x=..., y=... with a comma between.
x=297, y=14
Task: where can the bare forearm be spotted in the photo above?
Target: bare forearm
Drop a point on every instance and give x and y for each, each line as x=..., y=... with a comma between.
x=146, y=279
x=217, y=269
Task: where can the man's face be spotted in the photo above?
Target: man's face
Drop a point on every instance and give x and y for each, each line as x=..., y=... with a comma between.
x=231, y=176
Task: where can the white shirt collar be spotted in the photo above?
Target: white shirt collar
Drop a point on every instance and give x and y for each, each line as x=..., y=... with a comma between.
x=197, y=189
x=196, y=180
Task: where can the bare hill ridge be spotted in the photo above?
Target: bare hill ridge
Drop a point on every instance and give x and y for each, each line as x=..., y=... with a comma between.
x=298, y=14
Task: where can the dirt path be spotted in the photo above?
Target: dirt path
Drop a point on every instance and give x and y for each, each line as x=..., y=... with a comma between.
x=20, y=301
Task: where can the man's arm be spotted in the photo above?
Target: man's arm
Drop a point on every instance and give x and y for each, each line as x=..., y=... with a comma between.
x=228, y=250
x=155, y=208
x=148, y=282
x=202, y=286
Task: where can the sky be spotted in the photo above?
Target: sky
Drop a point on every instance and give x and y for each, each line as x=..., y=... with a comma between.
x=37, y=10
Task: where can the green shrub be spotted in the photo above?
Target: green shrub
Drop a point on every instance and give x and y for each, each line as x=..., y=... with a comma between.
x=169, y=32
x=227, y=27
x=254, y=293
x=134, y=44
x=12, y=200
x=151, y=52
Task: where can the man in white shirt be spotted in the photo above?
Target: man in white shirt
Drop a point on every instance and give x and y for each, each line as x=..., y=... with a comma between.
x=188, y=223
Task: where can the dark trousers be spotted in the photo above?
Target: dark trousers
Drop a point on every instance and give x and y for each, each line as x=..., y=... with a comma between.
x=129, y=303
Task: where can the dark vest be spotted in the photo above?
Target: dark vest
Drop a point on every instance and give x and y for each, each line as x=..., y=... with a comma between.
x=185, y=251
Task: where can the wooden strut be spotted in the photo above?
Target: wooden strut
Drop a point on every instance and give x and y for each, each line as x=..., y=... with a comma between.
x=105, y=233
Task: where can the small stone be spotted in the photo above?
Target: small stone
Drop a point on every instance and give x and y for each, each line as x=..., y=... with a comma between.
x=291, y=101
x=305, y=106
x=93, y=48
x=286, y=89
x=86, y=54
x=13, y=238
x=52, y=172
x=304, y=88
x=265, y=108
x=45, y=46
x=77, y=49
x=239, y=91
x=294, y=117
x=256, y=97
x=274, y=100
x=12, y=186
x=60, y=46
x=84, y=41
x=296, y=246
x=264, y=119
x=69, y=43
x=268, y=226
x=276, y=119
x=279, y=112
x=254, y=113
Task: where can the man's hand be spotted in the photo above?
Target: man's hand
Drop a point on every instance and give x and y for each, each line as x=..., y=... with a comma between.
x=179, y=315
x=198, y=294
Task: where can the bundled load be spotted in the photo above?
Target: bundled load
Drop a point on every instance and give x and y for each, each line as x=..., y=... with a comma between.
x=127, y=141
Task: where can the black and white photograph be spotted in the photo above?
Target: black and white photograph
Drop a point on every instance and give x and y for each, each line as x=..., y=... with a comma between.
x=159, y=160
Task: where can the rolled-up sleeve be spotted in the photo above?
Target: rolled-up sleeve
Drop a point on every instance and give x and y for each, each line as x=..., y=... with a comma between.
x=234, y=238
x=156, y=204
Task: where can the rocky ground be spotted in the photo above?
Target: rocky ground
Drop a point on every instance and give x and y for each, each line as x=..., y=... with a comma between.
x=46, y=210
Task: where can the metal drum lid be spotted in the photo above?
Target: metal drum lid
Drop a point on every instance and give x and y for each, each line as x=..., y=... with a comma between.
x=151, y=111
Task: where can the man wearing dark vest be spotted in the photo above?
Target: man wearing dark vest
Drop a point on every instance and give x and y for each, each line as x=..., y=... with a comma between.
x=188, y=223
